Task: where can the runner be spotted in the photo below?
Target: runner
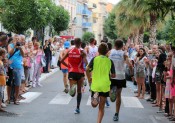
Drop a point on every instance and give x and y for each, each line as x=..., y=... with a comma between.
x=91, y=50
x=64, y=68
x=101, y=67
x=75, y=56
x=119, y=58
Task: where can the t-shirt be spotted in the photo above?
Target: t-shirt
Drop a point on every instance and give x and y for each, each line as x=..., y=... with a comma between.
x=2, y=75
x=75, y=61
x=92, y=53
x=16, y=59
x=101, y=67
x=117, y=56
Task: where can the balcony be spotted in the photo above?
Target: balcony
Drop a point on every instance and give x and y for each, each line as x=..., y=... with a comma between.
x=86, y=25
x=86, y=12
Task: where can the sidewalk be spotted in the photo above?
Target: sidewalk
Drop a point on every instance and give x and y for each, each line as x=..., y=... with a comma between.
x=42, y=78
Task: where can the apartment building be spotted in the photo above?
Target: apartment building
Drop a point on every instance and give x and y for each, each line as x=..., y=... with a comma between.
x=83, y=18
x=99, y=15
x=71, y=7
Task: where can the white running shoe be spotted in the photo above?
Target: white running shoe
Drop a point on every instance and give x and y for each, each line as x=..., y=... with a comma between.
x=3, y=105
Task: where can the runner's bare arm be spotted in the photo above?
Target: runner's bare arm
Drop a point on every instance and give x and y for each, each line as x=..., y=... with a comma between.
x=88, y=74
x=62, y=60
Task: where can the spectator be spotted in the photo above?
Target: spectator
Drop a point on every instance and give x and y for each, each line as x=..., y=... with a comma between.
x=2, y=76
x=47, y=51
x=38, y=53
x=16, y=54
x=140, y=72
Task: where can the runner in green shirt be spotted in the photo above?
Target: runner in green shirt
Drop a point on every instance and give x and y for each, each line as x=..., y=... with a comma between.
x=102, y=69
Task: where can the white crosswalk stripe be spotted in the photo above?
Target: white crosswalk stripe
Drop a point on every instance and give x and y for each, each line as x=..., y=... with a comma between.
x=89, y=101
x=30, y=96
x=131, y=102
x=65, y=99
x=61, y=98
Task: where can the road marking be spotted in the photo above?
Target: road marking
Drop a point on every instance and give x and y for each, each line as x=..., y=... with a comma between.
x=61, y=98
x=153, y=119
x=89, y=101
x=30, y=96
x=131, y=102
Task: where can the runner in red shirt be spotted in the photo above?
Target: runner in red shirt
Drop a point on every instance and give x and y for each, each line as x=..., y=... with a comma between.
x=76, y=56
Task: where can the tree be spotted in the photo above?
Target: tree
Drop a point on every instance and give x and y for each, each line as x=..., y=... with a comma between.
x=167, y=33
x=16, y=16
x=110, y=26
x=87, y=36
x=20, y=15
x=61, y=19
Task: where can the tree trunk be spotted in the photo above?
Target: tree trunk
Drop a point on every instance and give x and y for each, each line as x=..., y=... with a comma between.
x=141, y=35
x=153, y=29
x=136, y=38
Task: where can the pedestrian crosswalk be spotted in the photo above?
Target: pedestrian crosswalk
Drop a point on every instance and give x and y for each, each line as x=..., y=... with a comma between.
x=65, y=99
x=61, y=99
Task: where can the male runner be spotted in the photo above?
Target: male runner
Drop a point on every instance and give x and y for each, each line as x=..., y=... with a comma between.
x=119, y=58
x=76, y=56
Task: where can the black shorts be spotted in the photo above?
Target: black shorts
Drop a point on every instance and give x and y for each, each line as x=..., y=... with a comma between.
x=75, y=76
x=118, y=83
x=10, y=79
x=102, y=94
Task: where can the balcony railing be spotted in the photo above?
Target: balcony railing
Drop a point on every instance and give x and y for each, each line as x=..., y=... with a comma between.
x=86, y=25
x=86, y=12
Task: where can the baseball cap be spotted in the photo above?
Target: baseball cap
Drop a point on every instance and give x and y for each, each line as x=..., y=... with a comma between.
x=66, y=44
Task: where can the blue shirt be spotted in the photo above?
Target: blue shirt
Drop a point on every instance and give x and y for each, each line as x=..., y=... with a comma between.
x=16, y=59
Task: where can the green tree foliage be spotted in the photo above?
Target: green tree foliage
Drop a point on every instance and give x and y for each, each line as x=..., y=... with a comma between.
x=110, y=26
x=16, y=15
x=19, y=15
x=61, y=20
x=87, y=36
x=168, y=32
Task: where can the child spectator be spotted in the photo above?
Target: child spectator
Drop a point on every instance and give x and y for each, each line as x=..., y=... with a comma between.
x=2, y=76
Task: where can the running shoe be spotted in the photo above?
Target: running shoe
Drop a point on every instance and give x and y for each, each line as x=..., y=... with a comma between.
x=116, y=118
x=66, y=90
x=77, y=111
x=85, y=82
x=3, y=105
x=72, y=90
x=113, y=94
x=107, y=104
x=95, y=100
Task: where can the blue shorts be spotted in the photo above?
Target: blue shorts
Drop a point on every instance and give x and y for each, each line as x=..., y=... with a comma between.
x=17, y=75
x=65, y=70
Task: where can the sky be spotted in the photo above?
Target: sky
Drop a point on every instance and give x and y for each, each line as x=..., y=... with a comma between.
x=113, y=1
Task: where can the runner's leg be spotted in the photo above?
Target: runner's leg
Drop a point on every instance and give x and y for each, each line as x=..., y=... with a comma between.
x=101, y=109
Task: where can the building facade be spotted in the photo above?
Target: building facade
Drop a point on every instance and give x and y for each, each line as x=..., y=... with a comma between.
x=83, y=18
x=99, y=15
x=71, y=7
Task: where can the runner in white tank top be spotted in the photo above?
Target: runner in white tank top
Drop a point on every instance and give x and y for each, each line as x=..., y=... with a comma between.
x=119, y=58
x=91, y=50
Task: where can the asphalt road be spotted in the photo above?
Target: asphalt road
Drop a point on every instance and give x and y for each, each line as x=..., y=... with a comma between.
x=49, y=104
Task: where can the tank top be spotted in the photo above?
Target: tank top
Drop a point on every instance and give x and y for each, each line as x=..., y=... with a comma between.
x=92, y=53
x=66, y=60
x=100, y=74
x=117, y=56
x=75, y=61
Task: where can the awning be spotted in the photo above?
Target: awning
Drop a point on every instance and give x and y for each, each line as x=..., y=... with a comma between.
x=67, y=37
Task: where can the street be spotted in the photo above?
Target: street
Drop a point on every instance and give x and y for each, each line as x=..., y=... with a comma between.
x=49, y=104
